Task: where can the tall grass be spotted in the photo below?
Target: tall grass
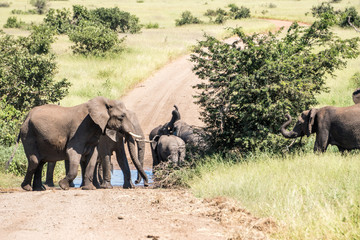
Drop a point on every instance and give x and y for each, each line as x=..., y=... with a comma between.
x=312, y=196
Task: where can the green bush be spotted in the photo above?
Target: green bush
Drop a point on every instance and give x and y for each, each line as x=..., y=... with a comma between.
x=18, y=11
x=90, y=38
x=13, y=22
x=116, y=20
x=5, y=4
x=60, y=19
x=40, y=5
x=250, y=85
x=354, y=17
x=10, y=120
x=187, y=18
x=27, y=71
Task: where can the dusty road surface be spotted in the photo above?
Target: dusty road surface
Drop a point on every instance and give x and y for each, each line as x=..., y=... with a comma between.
x=137, y=213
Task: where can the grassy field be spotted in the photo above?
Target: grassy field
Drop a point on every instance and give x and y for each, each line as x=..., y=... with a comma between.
x=312, y=196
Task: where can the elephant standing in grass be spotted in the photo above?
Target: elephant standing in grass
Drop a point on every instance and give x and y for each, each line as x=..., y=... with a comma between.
x=168, y=148
x=52, y=133
x=113, y=141
x=339, y=126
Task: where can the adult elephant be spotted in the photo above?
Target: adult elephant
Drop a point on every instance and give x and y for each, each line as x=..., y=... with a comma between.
x=113, y=141
x=339, y=126
x=51, y=133
x=168, y=148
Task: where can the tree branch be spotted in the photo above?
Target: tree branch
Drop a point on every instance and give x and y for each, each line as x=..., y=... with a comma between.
x=352, y=25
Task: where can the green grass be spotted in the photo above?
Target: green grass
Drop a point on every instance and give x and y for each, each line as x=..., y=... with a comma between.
x=314, y=196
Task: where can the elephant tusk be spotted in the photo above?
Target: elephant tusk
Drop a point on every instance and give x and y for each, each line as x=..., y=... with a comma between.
x=134, y=135
x=144, y=140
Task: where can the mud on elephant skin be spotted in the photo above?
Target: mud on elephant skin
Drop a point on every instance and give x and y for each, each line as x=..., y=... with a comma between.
x=52, y=133
x=339, y=126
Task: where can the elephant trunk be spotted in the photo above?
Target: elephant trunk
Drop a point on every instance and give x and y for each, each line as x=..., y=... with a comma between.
x=132, y=150
x=286, y=133
x=175, y=117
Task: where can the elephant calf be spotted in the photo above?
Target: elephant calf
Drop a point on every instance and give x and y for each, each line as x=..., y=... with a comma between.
x=168, y=148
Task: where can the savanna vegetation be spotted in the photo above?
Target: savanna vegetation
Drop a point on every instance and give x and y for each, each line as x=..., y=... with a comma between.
x=311, y=196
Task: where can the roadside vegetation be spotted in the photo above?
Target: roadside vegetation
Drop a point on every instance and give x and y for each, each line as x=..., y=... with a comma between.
x=311, y=196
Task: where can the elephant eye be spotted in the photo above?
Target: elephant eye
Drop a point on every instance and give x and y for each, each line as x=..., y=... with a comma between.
x=121, y=117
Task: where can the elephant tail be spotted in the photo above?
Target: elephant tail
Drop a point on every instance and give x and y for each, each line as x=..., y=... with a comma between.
x=13, y=154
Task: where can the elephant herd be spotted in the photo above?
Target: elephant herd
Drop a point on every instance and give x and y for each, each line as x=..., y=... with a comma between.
x=87, y=135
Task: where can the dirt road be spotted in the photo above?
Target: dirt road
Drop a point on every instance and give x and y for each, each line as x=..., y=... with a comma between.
x=138, y=213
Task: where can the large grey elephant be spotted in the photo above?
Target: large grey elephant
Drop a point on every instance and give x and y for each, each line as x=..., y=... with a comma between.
x=52, y=133
x=339, y=126
x=113, y=141
x=168, y=148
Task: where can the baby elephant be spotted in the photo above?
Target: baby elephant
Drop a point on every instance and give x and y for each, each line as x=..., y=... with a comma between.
x=168, y=148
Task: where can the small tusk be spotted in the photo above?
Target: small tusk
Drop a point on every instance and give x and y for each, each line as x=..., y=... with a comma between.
x=144, y=140
x=134, y=135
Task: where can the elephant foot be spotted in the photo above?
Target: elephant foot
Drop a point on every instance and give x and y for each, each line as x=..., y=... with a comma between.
x=71, y=184
x=64, y=184
x=26, y=186
x=146, y=184
x=49, y=184
x=128, y=185
x=106, y=185
x=39, y=188
x=88, y=187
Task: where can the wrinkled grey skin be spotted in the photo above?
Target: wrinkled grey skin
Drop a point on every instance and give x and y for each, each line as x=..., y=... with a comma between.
x=168, y=148
x=339, y=126
x=52, y=133
x=113, y=141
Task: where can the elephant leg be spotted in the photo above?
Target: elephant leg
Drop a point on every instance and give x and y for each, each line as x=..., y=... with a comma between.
x=322, y=141
x=141, y=156
x=33, y=162
x=50, y=174
x=124, y=165
x=96, y=177
x=37, y=184
x=89, y=172
x=106, y=167
x=182, y=151
x=83, y=164
x=67, y=166
x=74, y=161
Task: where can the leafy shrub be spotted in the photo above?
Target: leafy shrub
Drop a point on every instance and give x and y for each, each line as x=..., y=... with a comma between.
x=10, y=120
x=151, y=25
x=27, y=71
x=40, y=5
x=355, y=80
x=13, y=22
x=90, y=38
x=40, y=39
x=187, y=18
x=241, y=12
x=250, y=85
x=59, y=19
x=80, y=13
x=354, y=17
x=21, y=12
x=117, y=20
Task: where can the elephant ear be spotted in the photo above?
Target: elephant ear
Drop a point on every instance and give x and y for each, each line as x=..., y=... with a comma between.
x=154, y=141
x=99, y=111
x=112, y=134
x=312, y=116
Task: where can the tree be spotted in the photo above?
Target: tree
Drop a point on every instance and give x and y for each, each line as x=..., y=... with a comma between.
x=249, y=85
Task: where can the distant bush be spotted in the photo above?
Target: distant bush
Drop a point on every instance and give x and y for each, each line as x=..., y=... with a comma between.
x=349, y=13
x=187, y=18
x=151, y=25
x=21, y=12
x=220, y=16
x=58, y=19
x=40, y=5
x=13, y=22
x=238, y=13
x=96, y=39
x=4, y=4
x=116, y=19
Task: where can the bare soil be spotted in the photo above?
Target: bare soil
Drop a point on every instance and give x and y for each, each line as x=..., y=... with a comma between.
x=136, y=213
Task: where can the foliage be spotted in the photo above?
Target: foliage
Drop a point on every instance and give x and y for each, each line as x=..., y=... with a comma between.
x=13, y=22
x=18, y=11
x=59, y=19
x=222, y=15
x=238, y=13
x=40, y=5
x=151, y=25
x=117, y=20
x=249, y=85
x=355, y=80
x=90, y=38
x=10, y=120
x=27, y=71
x=349, y=13
x=187, y=18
